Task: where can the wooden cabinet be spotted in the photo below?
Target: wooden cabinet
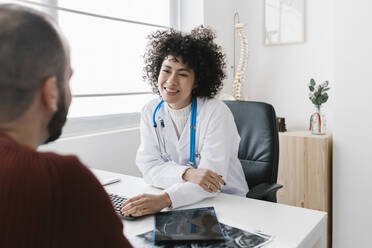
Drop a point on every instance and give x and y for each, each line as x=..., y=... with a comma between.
x=305, y=171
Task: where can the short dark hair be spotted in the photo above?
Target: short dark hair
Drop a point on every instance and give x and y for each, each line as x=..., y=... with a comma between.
x=196, y=49
x=31, y=50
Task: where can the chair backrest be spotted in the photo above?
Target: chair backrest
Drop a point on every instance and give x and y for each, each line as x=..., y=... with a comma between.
x=259, y=145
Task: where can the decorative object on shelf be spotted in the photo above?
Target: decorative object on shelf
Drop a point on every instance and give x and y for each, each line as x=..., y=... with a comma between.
x=243, y=58
x=281, y=124
x=318, y=96
x=284, y=22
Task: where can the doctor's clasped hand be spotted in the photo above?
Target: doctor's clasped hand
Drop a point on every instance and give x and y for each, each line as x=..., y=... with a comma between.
x=207, y=179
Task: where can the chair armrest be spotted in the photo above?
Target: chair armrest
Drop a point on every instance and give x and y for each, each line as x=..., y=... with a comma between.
x=263, y=190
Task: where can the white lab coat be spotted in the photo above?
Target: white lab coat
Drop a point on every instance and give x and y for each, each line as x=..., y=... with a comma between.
x=217, y=141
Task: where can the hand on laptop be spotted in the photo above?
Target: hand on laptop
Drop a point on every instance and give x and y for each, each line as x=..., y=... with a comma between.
x=145, y=204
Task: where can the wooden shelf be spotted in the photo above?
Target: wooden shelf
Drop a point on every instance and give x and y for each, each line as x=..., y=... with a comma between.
x=305, y=171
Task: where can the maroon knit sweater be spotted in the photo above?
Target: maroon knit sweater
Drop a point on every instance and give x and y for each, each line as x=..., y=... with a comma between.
x=48, y=200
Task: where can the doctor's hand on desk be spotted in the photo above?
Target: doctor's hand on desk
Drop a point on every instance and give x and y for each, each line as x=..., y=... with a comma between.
x=145, y=204
x=207, y=179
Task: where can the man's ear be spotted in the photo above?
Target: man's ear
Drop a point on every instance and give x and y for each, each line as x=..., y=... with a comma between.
x=49, y=94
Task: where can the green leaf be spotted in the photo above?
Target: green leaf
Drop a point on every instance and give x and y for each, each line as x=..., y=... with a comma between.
x=325, y=97
x=311, y=88
x=312, y=82
x=322, y=99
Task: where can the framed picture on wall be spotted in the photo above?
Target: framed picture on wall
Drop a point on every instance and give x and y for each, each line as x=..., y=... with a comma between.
x=284, y=22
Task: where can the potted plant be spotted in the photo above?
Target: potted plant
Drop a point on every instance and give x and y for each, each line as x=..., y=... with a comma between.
x=318, y=96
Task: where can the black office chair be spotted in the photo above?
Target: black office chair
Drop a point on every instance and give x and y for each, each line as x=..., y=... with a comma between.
x=259, y=147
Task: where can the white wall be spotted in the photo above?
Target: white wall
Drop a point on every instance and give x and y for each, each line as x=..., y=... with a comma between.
x=338, y=48
x=280, y=74
x=352, y=167
x=219, y=15
x=191, y=14
x=275, y=74
x=113, y=150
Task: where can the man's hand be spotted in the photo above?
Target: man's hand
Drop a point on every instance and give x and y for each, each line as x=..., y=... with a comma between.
x=207, y=179
x=145, y=204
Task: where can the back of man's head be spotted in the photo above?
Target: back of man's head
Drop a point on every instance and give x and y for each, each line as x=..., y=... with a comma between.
x=31, y=51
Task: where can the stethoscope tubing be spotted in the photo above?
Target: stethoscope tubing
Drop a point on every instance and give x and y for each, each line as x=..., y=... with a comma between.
x=192, y=129
x=156, y=110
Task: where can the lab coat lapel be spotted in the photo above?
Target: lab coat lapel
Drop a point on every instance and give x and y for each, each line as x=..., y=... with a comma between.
x=184, y=140
x=179, y=148
x=170, y=134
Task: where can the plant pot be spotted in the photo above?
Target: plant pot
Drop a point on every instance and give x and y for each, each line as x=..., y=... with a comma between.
x=318, y=122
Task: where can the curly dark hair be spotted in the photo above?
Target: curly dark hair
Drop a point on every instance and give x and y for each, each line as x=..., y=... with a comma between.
x=197, y=50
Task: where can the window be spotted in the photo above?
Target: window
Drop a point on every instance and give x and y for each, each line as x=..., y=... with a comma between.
x=107, y=41
x=107, y=52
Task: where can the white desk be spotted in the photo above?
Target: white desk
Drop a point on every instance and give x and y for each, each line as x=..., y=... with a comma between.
x=290, y=226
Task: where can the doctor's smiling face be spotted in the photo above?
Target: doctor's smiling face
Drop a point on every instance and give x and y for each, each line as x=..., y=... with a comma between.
x=176, y=82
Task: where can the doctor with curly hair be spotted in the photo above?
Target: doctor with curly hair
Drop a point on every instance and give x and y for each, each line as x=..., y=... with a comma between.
x=189, y=140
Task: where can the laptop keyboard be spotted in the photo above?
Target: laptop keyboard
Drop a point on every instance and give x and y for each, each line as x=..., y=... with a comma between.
x=117, y=201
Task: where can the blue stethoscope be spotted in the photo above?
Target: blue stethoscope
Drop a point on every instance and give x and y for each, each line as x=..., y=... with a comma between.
x=161, y=142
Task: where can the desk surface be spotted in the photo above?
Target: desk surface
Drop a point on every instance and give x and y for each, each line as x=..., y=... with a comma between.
x=290, y=226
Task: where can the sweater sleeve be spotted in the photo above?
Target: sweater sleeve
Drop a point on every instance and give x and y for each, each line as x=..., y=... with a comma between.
x=87, y=216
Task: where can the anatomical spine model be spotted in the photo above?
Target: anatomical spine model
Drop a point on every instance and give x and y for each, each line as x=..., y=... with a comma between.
x=243, y=60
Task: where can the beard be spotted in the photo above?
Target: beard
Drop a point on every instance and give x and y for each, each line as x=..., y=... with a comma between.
x=58, y=119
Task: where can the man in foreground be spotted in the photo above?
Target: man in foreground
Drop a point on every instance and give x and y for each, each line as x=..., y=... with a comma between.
x=46, y=200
